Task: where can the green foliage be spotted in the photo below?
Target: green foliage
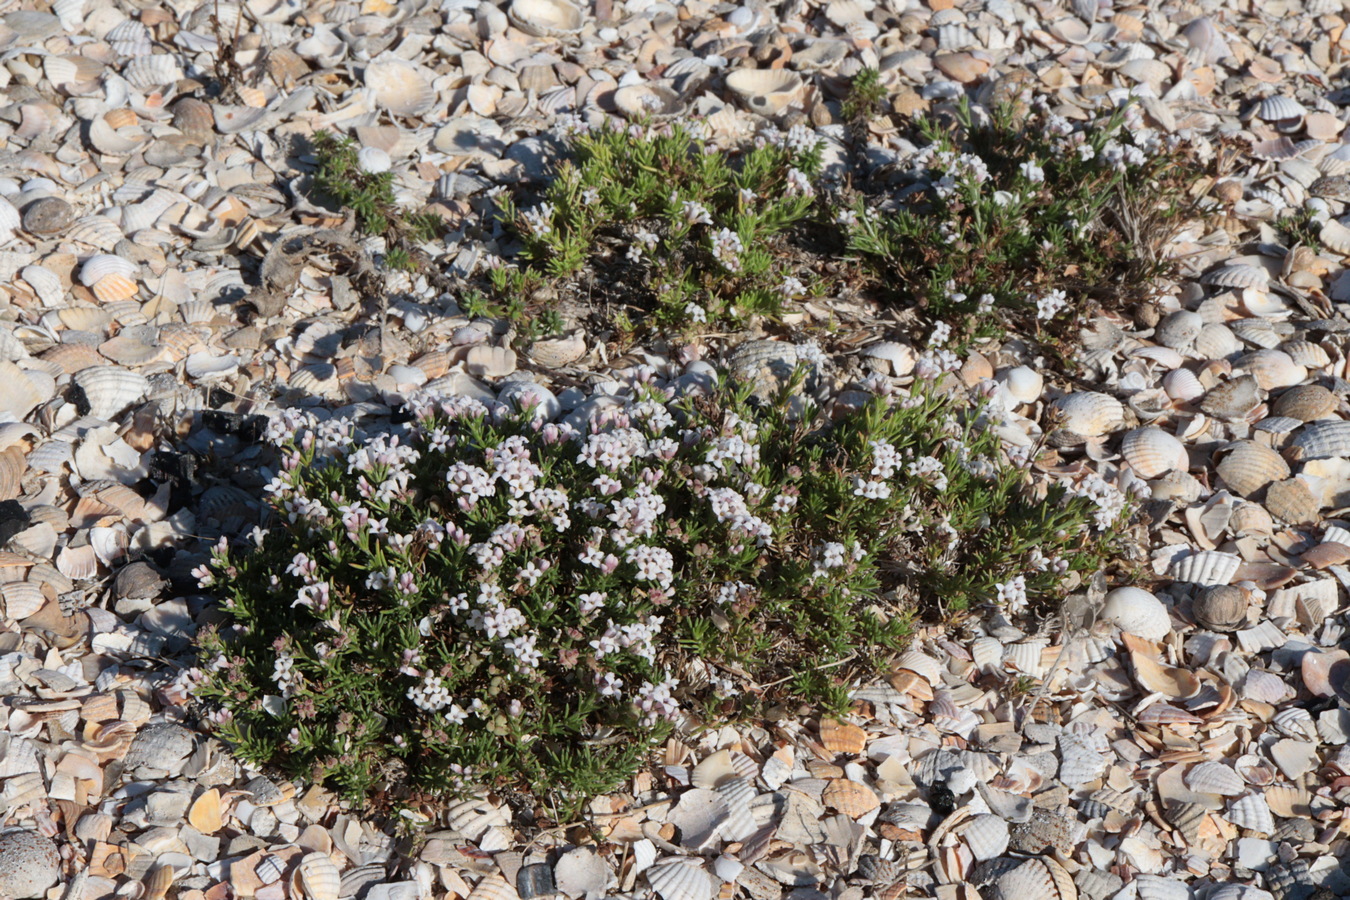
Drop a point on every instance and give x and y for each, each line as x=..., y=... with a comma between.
x=370, y=196
x=695, y=222
x=1301, y=227
x=484, y=600
x=865, y=95
x=1017, y=209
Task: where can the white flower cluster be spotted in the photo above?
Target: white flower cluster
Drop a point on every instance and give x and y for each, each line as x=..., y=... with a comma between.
x=1013, y=594
x=1109, y=499
x=1052, y=304
x=284, y=674
x=727, y=249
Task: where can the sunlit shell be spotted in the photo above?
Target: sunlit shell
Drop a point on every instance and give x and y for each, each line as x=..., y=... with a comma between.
x=655, y=101
x=1089, y=414
x=1248, y=467
x=849, y=798
x=986, y=835
x=108, y=140
x=1335, y=236
x=18, y=392
x=1152, y=452
x=1023, y=383
x=1307, y=354
x=1320, y=440
x=1136, y=611
x=1156, y=887
x=1280, y=108
x=130, y=38
x=1215, y=778
x=1179, y=330
x=1305, y=402
x=113, y=288
x=101, y=265
x=21, y=599
x=1251, y=811
x=1216, y=341
x=152, y=71
x=485, y=361
x=1040, y=877
x=318, y=877
x=1182, y=385
x=546, y=18
x=553, y=353
x=1272, y=369
x=1260, y=332
x=1220, y=608
x=1238, y=276
x=841, y=737
x=109, y=390
x=45, y=282
x=765, y=91
x=1208, y=567
x=682, y=879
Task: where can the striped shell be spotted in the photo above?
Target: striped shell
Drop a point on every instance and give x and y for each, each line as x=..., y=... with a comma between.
x=1251, y=811
x=1293, y=501
x=1040, y=877
x=1247, y=467
x=400, y=87
x=1208, y=567
x=1090, y=414
x=682, y=879
x=1152, y=452
x=1216, y=341
x=1183, y=385
x=1272, y=369
x=1307, y=354
x=101, y=265
x=1237, y=276
x=889, y=358
x=1280, y=108
x=1305, y=402
x=1232, y=399
x=1320, y=440
x=109, y=390
x=317, y=876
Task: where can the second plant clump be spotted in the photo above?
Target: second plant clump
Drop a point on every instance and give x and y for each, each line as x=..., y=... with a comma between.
x=484, y=597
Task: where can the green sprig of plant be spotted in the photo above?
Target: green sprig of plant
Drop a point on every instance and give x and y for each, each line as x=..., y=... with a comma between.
x=339, y=176
x=695, y=223
x=484, y=600
x=865, y=96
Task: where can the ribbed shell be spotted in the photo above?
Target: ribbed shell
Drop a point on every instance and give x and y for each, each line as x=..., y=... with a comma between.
x=1220, y=608
x=1320, y=440
x=1252, y=812
x=1305, y=402
x=1238, y=276
x=1208, y=567
x=1293, y=501
x=1272, y=369
x=1248, y=467
x=1216, y=341
x=1152, y=452
x=1089, y=413
x=1233, y=399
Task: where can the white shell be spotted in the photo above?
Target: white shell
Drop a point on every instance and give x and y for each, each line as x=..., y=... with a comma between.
x=546, y=18
x=1183, y=385
x=318, y=877
x=1272, y=369
x=1023, y=383
x=986, y=835
x=655, y=101
x=1252, y=812
x=683, y=879
x=101, y=265
x=765, y=91
x=152, y=71
x=400, y=87
x=1215, y=778
x=1090, y=414
x=1238, y=276
x=110, y=390
x=1152, y=452
x=1280, y=108
x=1206, y=568
x=1138, y=612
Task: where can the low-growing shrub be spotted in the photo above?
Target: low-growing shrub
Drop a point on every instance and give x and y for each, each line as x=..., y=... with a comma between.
x=692, y=222
x=485, y=598
x=1024, y=212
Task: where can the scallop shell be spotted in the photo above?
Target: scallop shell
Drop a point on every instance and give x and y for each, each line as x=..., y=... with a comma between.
x=1220, y=607
x=110, y=390
x=1247, y=467
x=1335, y=236
x=1136, y=611
x=1279, y=108
x=400, y=87
x=1206, y=568
x=841, y=737
x=1089, y=414
x=318, y=877
x=1251, y=811
x=109, y=141
x=653, y=101
x=130, y=38
x=1215, y=778
x=21, y=599
x=114, y=288
x=682, y=879
x=765, y=91
x=1216, y=341
x=1272, y=369
x=1305, y=402
x=986, y=835
x=546, y=18
x=1152, y=452
x=1156, y=887
x=1040, y=877
x=889, y=358
x=849, y=798
x=1320, y=440
x=19, y=393
x=553, y=353
x=1307, y=354
x=1293, y=501
x=45, y=283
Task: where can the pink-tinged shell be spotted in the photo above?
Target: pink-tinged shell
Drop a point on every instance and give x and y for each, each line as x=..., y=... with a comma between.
x=1272, y=369
x=1138, y=612
x=1152, y=452
x=1248, y=467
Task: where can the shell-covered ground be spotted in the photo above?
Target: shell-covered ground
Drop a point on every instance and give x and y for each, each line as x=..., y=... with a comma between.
x=169, y=274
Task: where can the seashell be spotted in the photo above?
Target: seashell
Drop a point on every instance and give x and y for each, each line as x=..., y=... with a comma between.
x=21, y=599
x=1293, y=501
x=1183, y=385
x=474, y=817
x=109, y=141
x=1152, y=452
x=1179, y=330
x=1295, y=722
x=1089, y=414
x=152, y=71
x=649, y=101
x=765, y=91
x=1238, y=276
x=849, y=798
x=1156, y=887
x=1260, y=332
x=1220, y=607
x=485, y=361
x=109, y=390
x=1216, y=341
x=921, y=664
x=546, y=18
x=1320, y=440
x=1039, y=877
x=553, y=353
x=1305, y=402
x=399, y=87
x=682, y=879
x=114, y=288
x=1280, y=108
x=101, y=265
x=986, y=835
x=1206, y=568
x=1023, y=383
x=841, y=738
x=46, y=283
x=1215, y=778
x=18, y=392
x=194, y=118
x=1271, y=368
x=1307, y=354
x=1254, y=770
x=1251, y=811
x=318, y=877
x=373, y=160
x=889, y=358
x=1247, y=467
x=1335, y=236
x=1138, y=612
x=1171, y=682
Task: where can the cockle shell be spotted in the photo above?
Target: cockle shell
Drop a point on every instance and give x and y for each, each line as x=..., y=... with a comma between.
x=1320, y=440
x=1251, y=811
x=152, y=71
x=1152, y=452
x=101, y=265
x=653, y=101
x=1247, y=467
x=1238, y=276
x=1179, y=330
x=682, y=879
x=1305, y=402
x=1272, y=369
x=986, y=835
x=889, y=358
x=1208, y=567
x=1216, y=341
x=553, y=353
x=109, y=390
x=318, y=877
x=1183, y=385
x=400, y=87
x=546, y=18
x=1039, y=877
x=1023, y=383
x=1307, y=354
x=1293, y=501
x=1335, y=236
x=1220, y=607
x=1215, y=778
x=765, y=91
x=1280, y=108
x=1089, y=414
x=841, y=737
x=1138, y=612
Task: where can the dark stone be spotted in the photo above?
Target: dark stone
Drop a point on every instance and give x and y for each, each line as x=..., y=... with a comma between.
x=13, y=519
x=535, y=881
